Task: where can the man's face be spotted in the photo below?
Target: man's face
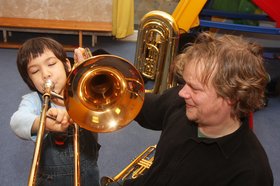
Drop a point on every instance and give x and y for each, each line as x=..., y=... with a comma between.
x=47, y=66
x=203, y=105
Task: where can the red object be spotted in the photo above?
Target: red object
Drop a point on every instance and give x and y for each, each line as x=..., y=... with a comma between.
x=59, y=139
x=271, y=8
x=251, y=120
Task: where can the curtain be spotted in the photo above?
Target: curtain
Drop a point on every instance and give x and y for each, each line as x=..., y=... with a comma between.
x=123, y=18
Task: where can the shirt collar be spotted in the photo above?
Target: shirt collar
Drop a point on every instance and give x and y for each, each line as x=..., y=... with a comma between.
x=229, y=143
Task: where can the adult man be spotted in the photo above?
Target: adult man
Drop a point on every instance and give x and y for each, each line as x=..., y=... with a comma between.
x=205, y=137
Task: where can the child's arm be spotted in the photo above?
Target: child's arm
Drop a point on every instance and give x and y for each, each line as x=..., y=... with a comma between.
x=25, y=121
x=22, y=120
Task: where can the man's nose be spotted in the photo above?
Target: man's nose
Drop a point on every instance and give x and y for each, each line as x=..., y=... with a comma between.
x=184, y=92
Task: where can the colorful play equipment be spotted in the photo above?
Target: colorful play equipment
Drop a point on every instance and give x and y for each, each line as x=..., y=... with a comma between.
x=270, y=7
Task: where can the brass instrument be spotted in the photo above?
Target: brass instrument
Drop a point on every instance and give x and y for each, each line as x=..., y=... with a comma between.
x=136, y=168
x=39, y=141
x=157, y=44
x=107, y=91
x=102, y=94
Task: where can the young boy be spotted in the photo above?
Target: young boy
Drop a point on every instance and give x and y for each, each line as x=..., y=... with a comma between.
x=40, y=59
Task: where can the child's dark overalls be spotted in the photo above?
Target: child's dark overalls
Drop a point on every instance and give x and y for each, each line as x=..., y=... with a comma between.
x=57, y=159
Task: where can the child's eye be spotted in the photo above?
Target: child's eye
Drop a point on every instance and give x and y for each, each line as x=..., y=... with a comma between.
x=52, y=63
x=34, y=71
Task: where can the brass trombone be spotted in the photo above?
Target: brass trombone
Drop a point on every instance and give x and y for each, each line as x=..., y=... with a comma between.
x=102, y=94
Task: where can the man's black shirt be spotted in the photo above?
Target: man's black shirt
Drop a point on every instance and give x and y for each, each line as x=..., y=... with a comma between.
x=182, y=158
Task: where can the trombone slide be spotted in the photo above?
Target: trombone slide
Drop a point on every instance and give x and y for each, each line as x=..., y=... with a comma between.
x=39, y=142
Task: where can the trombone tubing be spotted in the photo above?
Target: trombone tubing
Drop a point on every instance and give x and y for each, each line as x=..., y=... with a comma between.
x=39, y=141
x=77, y=155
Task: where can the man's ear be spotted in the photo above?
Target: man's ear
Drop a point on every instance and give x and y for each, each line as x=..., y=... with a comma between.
x=230, y=102
x=68, y=64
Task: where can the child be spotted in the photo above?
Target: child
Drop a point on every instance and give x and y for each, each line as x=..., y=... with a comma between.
x=38, y=60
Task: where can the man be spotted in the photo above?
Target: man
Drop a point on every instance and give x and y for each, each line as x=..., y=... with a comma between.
x=205, y=137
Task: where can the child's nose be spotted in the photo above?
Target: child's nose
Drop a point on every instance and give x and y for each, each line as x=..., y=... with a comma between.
x=46, y=74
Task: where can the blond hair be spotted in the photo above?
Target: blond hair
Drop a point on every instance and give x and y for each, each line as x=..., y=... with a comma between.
x=235, y=67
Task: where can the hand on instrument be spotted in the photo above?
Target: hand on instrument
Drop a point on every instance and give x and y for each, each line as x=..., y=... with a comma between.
x=78, y=55
x=57, y=120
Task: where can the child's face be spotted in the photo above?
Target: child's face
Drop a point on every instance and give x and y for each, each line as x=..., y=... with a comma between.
x=47, y=66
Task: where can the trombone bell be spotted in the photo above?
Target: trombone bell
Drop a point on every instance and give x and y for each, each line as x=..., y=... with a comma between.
x=104, y=93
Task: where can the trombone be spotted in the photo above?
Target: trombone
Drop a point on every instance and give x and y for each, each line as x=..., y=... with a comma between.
x=102, y=94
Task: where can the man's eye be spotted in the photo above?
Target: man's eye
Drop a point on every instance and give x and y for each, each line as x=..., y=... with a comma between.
x=195, y=89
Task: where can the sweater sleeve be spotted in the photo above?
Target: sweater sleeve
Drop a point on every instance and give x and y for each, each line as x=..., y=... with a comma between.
x=22, y=120
x=156, y=107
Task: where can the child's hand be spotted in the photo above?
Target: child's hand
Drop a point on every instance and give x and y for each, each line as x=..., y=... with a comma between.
x=58, y=121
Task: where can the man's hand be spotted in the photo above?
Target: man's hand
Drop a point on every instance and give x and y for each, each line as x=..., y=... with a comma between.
x=79, y=55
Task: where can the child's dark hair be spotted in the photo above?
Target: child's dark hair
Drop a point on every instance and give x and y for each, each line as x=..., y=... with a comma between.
x=33, y=48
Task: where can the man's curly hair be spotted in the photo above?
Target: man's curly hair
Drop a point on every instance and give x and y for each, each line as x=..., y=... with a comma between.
x=233, y=65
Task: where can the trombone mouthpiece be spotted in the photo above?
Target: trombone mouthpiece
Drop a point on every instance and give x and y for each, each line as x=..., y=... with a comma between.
x=48, y=86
